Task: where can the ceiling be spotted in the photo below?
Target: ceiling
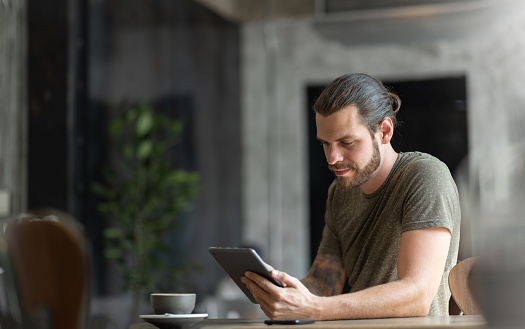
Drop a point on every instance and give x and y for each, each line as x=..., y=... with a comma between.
x=244, y=11
x=367, y=22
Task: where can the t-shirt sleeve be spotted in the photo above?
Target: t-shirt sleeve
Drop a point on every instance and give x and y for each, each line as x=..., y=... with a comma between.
x=330, y=240
x=329, y=243
x=431, y=199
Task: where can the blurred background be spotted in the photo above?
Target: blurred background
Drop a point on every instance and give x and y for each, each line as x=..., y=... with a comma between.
x=242, y=76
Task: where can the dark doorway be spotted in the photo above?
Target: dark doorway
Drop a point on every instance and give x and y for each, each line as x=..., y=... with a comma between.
x=433, y=119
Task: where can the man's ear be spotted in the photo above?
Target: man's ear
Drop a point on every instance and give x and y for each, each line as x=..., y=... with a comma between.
x=386, y=130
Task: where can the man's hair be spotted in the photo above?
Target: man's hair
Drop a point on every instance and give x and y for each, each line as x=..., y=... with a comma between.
x=373, y=100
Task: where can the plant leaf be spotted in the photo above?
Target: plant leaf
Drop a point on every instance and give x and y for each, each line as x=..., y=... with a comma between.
x=144, y=123
x=114, y=233
x=112, y=253
x=144, y=150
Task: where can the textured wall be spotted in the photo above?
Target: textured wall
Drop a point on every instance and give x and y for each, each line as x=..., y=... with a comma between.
x=13, y=103
x=289, y=55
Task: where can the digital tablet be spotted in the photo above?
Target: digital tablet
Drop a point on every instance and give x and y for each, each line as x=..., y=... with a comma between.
x=236, y=261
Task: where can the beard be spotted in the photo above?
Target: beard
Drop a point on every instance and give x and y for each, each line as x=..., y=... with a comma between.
x=361, y=175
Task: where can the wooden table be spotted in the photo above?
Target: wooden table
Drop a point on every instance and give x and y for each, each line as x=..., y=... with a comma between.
x=436, y=322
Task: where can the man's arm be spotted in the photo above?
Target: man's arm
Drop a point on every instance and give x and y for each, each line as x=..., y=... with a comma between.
x=421, y=262
x=326, y=276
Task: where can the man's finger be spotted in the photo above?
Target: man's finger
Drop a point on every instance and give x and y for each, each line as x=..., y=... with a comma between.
x=258, y=290
x=261, y=282
x=285, y=279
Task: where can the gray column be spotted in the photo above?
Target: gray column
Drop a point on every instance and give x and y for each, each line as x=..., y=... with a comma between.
x=13, y=105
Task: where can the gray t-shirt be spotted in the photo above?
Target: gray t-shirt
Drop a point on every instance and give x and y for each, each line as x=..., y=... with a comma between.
x=365, y=229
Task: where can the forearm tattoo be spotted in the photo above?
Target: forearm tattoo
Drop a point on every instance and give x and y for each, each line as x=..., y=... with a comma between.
x=326, y=277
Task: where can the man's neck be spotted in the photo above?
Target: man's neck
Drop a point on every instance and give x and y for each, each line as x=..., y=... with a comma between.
x=388, y=160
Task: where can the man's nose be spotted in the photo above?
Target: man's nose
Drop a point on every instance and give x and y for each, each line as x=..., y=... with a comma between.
x=333, y=155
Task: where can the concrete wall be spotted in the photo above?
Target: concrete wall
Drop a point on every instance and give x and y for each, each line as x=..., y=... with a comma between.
x=13, y=107
x=279, y=59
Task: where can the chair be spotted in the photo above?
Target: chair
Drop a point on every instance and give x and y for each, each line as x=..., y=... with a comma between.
x=50, y=263
x=10, y=313
x=459, y=281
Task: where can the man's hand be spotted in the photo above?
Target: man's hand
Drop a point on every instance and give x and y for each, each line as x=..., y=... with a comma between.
x=292, y=301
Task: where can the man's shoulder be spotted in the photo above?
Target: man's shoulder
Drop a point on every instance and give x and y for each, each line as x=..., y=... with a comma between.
x=417, y=156
x=421, y=167
x=419, y=161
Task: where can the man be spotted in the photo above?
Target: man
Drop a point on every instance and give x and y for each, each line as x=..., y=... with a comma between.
x=391, y=224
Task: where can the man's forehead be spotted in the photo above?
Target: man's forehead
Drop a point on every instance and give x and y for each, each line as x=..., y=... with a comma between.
x=348, y=113
x=345, y=122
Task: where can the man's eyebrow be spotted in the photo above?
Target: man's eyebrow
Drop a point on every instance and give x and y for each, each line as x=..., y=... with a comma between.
x=340, y=138
x=347, y=137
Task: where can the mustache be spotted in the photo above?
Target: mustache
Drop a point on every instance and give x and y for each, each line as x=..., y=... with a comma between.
x=342, y=166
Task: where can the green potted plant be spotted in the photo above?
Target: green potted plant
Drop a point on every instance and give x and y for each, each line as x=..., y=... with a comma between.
x=142, y=197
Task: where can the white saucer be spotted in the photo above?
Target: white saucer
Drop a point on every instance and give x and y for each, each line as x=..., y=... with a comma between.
x=173, y=320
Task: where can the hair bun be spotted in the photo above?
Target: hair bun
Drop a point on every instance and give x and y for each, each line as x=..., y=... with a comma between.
x=395, y=101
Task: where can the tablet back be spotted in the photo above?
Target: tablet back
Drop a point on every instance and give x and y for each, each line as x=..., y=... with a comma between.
x=236, y=261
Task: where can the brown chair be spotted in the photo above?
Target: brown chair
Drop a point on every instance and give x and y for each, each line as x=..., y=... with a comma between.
x=51, y=263
x=459, y=281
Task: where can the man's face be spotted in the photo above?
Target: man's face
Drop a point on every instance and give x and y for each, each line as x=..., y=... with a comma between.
x=352, y=155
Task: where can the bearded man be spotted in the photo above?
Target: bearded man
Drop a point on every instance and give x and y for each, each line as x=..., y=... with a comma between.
x=391, y=224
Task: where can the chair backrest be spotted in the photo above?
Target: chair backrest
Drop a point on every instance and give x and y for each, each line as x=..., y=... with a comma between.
x=10, y=313
x=51, y=266
x=460, y=287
